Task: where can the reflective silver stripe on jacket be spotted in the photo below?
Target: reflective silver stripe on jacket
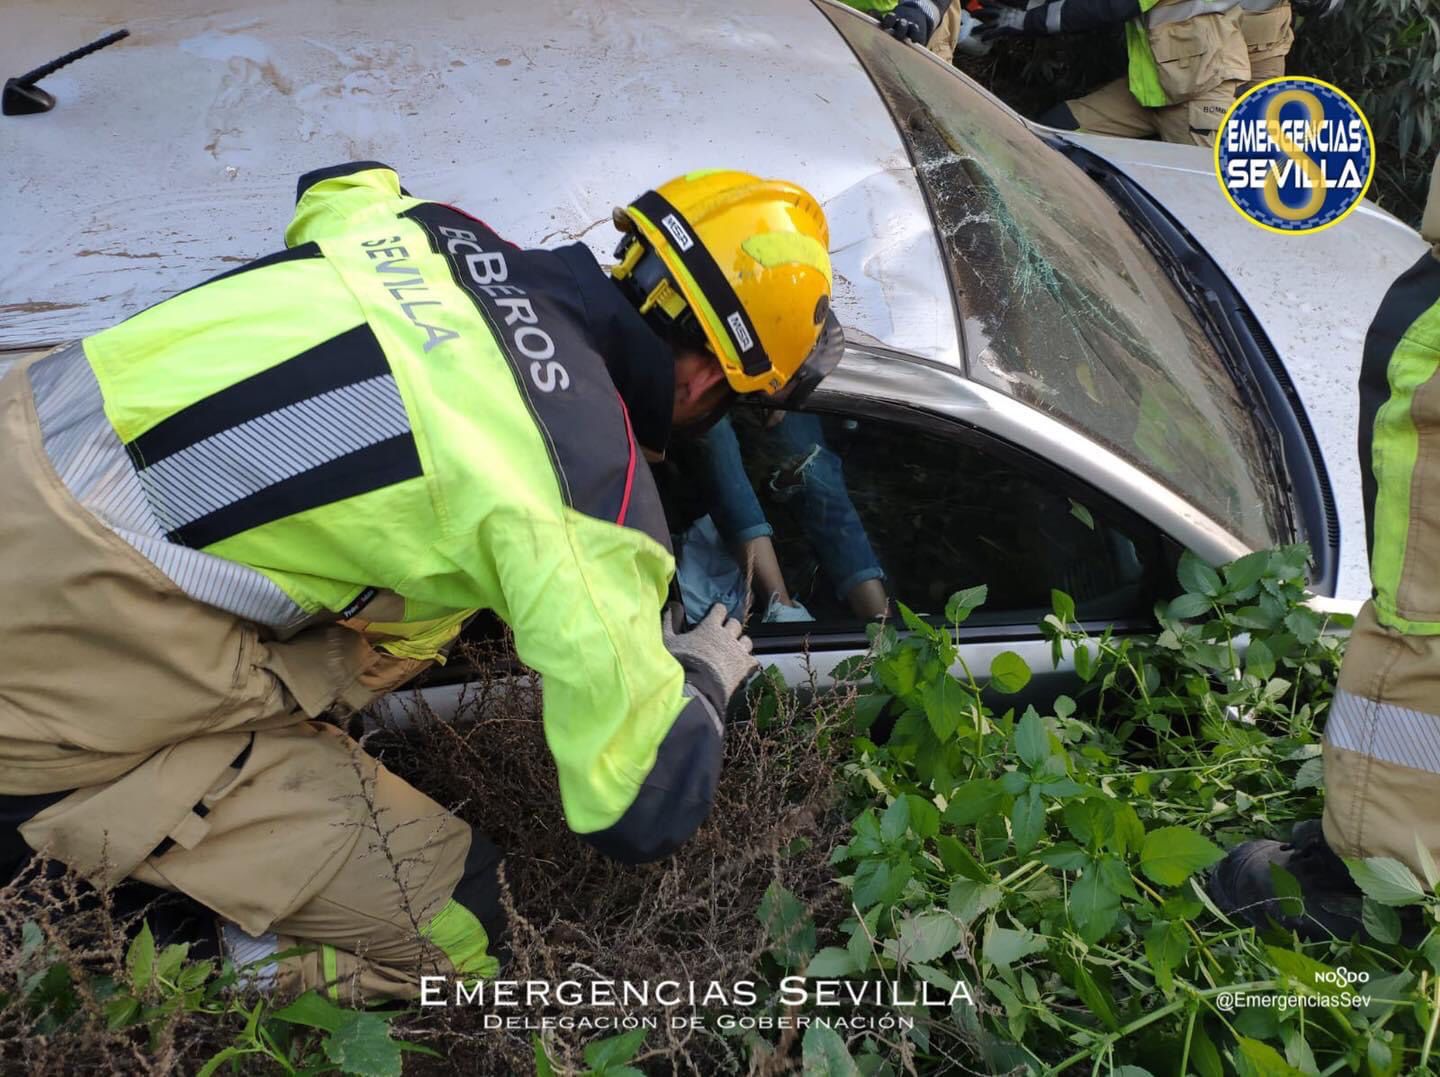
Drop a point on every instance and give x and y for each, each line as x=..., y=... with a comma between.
x=1186, y=9
x=92, y=463
x=249, y=457
x=1256, y=6
x=1384, y=731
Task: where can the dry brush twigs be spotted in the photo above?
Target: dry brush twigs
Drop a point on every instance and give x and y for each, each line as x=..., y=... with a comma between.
x=572, y=913
x=575, y=915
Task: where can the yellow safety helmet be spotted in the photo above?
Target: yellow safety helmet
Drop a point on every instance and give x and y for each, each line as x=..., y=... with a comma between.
x=746, y=259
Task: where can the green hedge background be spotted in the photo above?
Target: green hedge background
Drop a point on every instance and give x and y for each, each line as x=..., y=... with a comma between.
x=1383, y=53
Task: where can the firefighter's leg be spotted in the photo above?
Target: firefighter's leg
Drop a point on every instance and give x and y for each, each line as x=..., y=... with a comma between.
x=1382, y=741
x=1382, y=734
x=315, y=844
x=418, y=896
x=1271, y=67
x=1382, y=746
x=1113, y=110
x=1269, y=36
x=942, y=41
x=1196, y=121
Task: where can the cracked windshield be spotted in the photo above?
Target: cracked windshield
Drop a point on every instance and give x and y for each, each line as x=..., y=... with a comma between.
x=1062, y=306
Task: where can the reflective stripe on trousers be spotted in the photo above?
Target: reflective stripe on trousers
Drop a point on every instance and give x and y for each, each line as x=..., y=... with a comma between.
x=1408, y=738
x=1189, y=9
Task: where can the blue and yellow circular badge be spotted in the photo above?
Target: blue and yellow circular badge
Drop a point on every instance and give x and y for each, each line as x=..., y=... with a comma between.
x=1295, y=155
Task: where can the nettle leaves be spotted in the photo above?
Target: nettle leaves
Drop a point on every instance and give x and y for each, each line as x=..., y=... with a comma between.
x=1259, y=596
x=1030, y=801
x=1054, y=855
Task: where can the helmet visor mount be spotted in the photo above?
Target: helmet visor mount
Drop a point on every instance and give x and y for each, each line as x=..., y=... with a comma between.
x=708, y=285
x=824, y=357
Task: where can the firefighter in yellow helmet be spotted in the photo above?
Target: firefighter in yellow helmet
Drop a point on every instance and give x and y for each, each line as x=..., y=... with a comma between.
x=283, y=492
x=725, y=262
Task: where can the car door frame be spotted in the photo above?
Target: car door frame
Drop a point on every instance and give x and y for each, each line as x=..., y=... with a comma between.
x=808, y=658
x=897, y=388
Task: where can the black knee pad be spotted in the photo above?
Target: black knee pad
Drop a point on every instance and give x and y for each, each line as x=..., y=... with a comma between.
x=479, y=891
x=1059, y=115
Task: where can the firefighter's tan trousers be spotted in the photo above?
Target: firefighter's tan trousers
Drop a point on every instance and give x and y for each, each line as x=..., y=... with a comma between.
x=947, y=35
x=195, y=764
x=1382, y=736
x=1113, y=110
x=1269, y=36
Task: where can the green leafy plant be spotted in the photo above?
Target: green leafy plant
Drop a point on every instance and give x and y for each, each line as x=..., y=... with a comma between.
x=609, y=1057
x=1052, y=860
x=158, y=986
x=356, y=1042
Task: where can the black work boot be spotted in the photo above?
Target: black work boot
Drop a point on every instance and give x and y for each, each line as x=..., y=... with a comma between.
x=1242, y=887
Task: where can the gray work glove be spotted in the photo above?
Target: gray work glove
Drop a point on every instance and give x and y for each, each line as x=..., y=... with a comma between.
x=999, y=19
x=912, y=20
x=715, y=655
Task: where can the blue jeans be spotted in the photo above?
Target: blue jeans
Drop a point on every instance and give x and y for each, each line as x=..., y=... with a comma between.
x=807, y=469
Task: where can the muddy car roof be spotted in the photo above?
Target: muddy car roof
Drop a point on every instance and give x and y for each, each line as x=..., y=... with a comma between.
x=173, y=155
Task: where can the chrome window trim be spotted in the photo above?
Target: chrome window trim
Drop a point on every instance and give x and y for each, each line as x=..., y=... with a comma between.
x=882, y=374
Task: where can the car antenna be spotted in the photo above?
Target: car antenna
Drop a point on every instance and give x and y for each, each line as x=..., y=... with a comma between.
x=22, y=97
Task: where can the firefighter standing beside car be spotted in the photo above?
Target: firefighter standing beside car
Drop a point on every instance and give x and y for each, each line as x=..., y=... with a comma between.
x=1186, y=61
x=1382, y=733
x=282, y=492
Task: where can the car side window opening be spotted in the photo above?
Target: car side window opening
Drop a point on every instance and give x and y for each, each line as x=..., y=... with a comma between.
x=856, y=510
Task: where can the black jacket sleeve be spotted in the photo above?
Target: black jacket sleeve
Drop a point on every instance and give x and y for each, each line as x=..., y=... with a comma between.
x=1077, y=16
x=676, y=796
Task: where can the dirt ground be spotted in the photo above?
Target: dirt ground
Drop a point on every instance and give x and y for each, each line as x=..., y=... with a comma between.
x=573, y=914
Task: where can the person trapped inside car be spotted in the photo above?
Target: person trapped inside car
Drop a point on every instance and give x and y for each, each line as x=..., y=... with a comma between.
x=284, y=491
x=804, y=468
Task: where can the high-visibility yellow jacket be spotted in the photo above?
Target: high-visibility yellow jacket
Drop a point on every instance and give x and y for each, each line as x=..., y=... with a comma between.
x=1179, y=49
x=1399, y=422
x=402, y=404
